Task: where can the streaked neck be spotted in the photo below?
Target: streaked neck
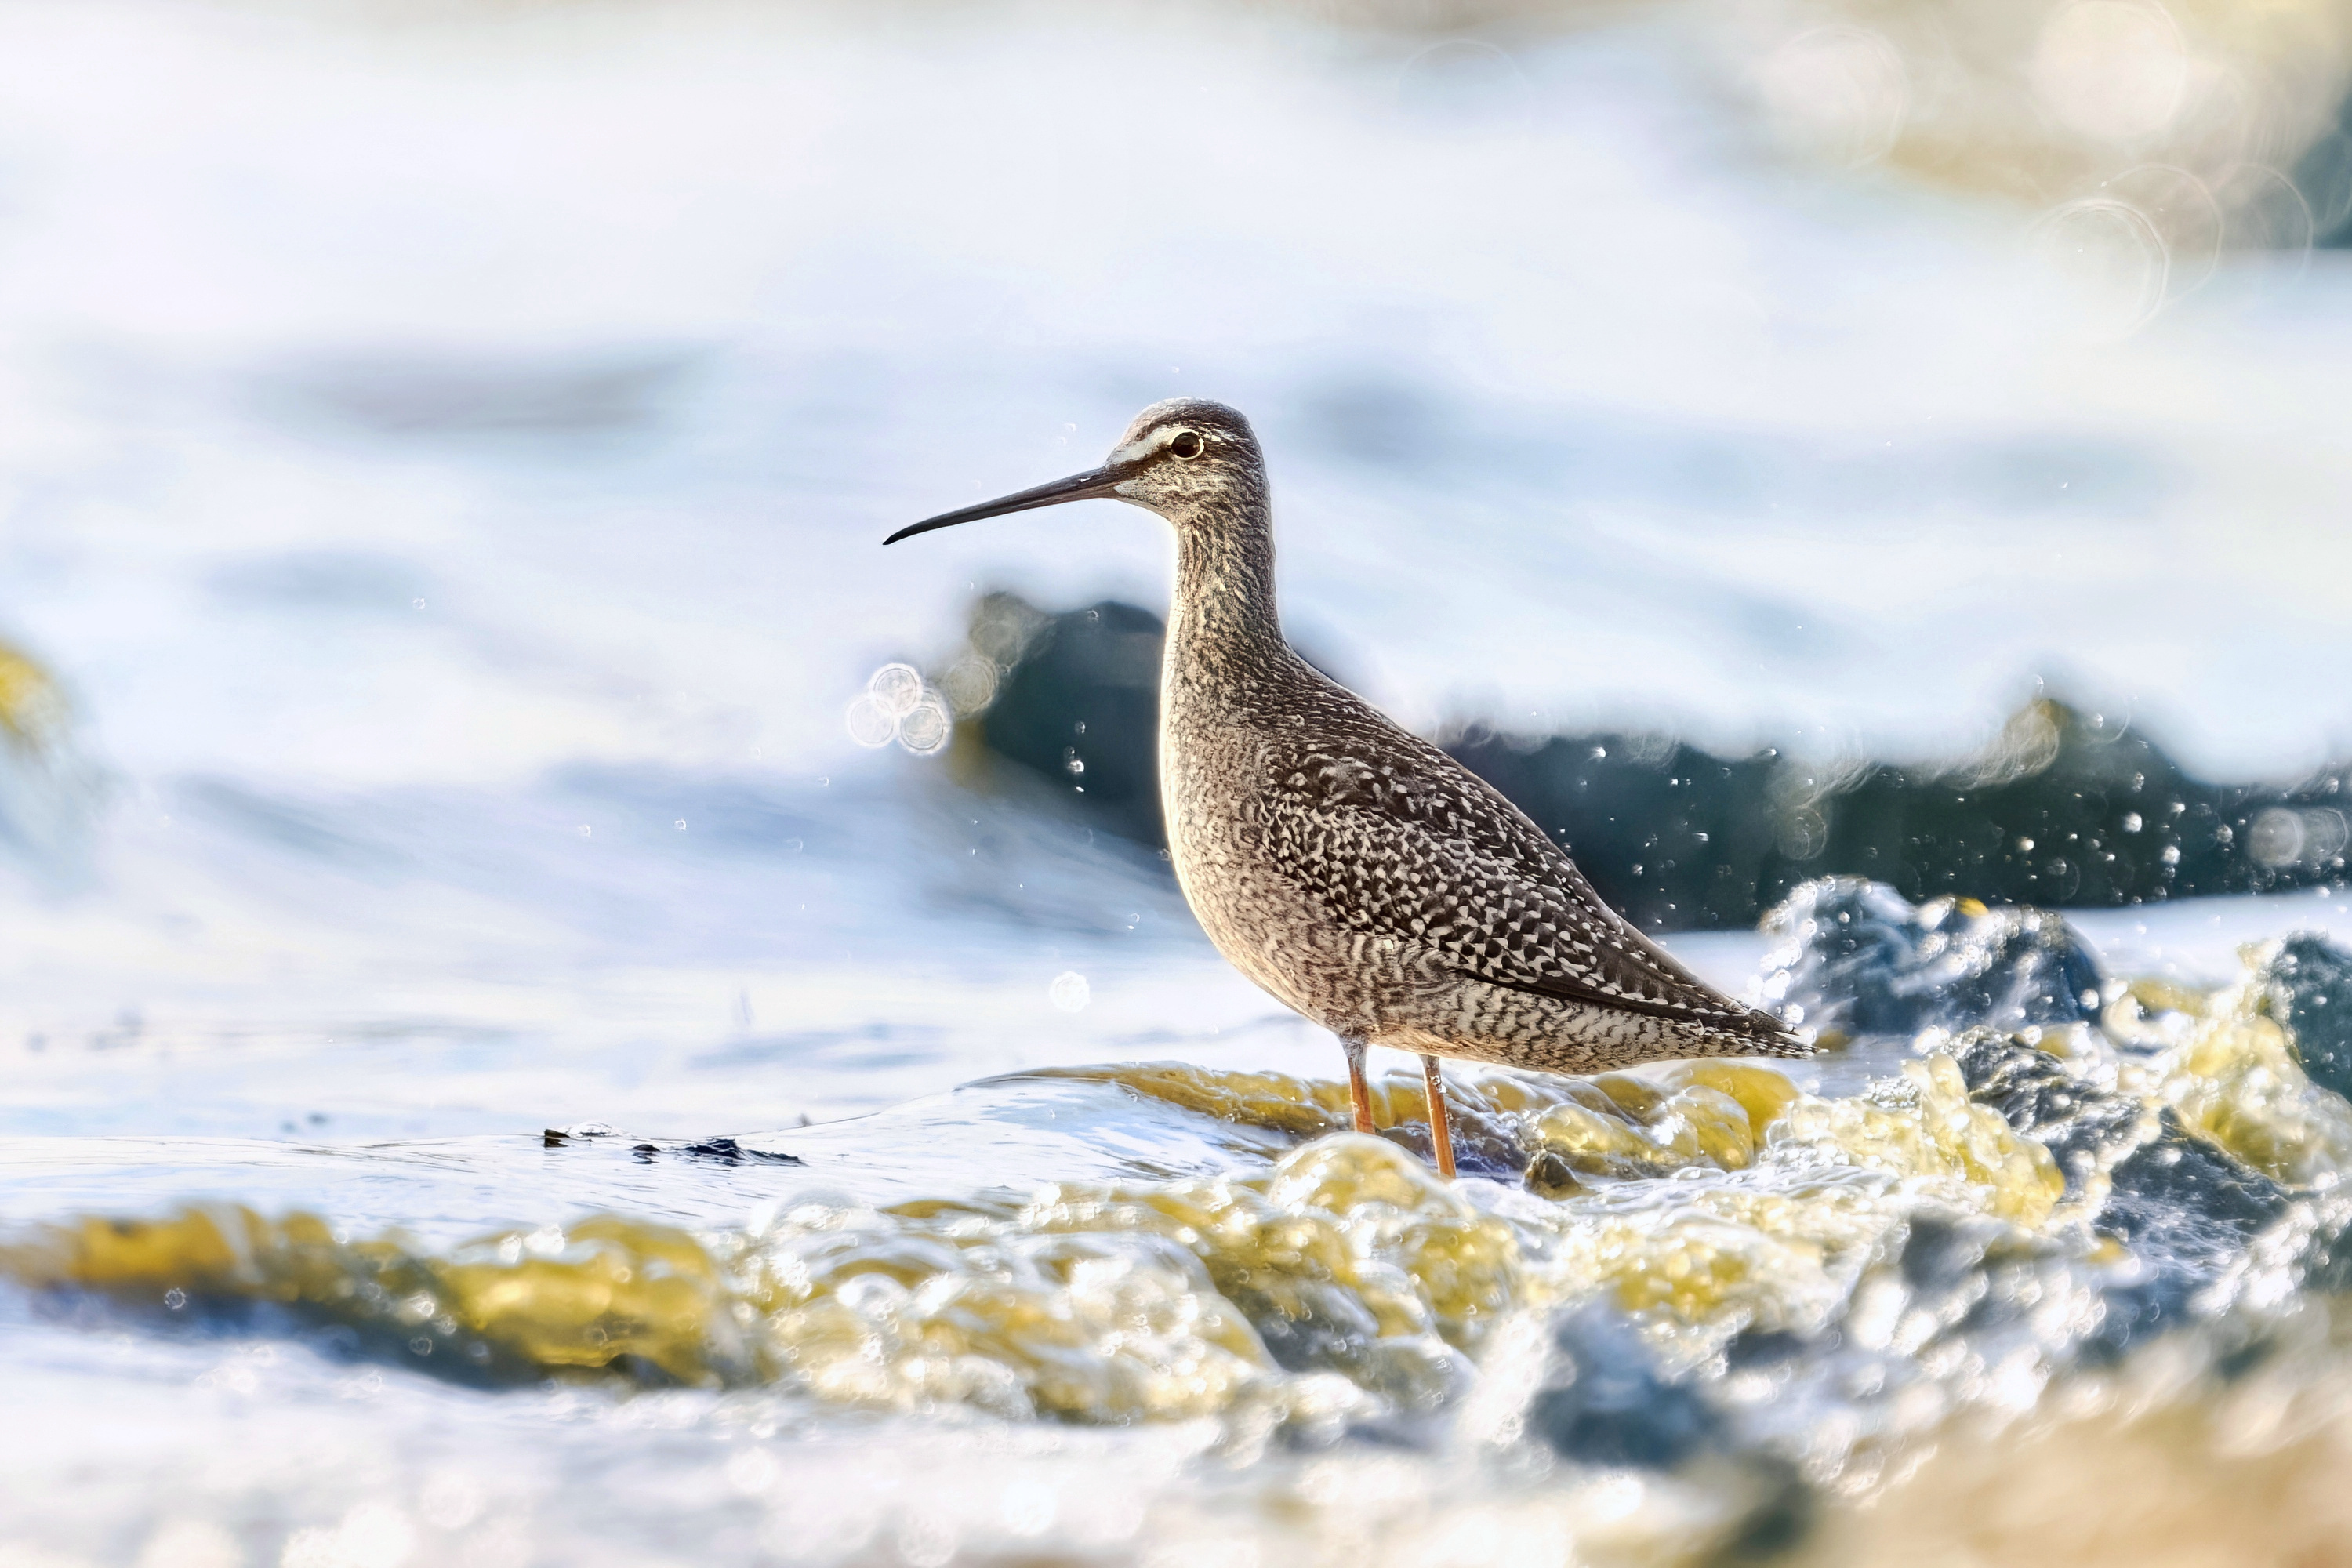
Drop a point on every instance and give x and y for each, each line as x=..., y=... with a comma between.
x=1224, y=634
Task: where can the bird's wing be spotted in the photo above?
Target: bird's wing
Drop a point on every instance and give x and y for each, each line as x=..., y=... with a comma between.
x=1414, y=846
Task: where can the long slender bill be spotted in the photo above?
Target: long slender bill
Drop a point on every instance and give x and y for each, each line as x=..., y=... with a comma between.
x=1093, y=484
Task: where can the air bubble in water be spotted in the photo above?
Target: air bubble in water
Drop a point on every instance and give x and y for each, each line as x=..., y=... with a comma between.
x=1463, y=85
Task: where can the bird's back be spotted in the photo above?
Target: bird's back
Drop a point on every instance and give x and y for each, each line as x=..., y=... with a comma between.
x=1378, y=886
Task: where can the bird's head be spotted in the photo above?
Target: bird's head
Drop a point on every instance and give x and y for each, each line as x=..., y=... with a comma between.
x=1192, y=461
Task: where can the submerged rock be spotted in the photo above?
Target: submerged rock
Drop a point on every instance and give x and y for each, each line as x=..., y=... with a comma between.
x=1857, y=958
x=2061, y=809
x=1603, y=1402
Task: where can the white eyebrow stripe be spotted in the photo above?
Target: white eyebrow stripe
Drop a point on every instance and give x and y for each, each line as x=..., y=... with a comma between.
x=1134, y=451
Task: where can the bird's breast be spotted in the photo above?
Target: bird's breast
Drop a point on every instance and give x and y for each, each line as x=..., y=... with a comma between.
x=1259, y=916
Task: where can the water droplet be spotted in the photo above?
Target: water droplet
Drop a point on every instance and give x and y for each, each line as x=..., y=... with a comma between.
x=894, y=689
x=927, y=727
x=868, y=725
x=1838, y=94
x=2111, y=258
x=2110, y=70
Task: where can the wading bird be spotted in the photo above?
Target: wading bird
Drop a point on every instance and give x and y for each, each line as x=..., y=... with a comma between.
x=1360, y=875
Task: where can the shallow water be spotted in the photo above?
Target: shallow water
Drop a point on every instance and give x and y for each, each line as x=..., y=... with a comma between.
x=1114, y=1313
x=443, y=463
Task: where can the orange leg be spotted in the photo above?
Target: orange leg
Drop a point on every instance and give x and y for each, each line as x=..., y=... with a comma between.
x=1440, y=1131
x=1360, y=1095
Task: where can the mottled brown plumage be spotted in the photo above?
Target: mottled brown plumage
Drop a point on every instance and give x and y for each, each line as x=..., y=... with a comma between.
x=1358, y=873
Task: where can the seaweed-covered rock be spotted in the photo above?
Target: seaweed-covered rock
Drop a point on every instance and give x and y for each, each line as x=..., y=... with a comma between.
x=2306, y=984
x=1856, y=957
x=2186, y=1208
x=2084, y=1126
x=2167, y=1189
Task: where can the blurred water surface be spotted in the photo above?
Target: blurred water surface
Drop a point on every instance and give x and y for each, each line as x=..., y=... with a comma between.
x=443, y=457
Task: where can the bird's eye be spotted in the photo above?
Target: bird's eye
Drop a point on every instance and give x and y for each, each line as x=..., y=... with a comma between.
x=1186, y=445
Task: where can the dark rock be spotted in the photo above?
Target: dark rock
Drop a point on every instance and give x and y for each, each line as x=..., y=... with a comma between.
x=1603, y=1402
x=1550, y=1175
x=1752, y=1347
x=1480, y=1148
x=1308, y=1331
x=2187, y=1209
x=724, y=1150
x=2062, y=809
x=2171, y=1195
x=1081, y=707
x=557, y=1137
x=2306, y=985
x=2082, y=1126
x=1855, y=957
x=2179, y=1197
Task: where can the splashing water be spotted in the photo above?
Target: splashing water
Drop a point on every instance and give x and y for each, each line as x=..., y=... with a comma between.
x=2115, y=1230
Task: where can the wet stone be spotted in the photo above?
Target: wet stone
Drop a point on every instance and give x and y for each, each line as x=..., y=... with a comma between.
x=2187, y=1209
x=1601, y=1401
x=2170, y=1194
x=1855, y=957
x=2179, y=1198
x=2306, y=982
x=1480, y=1148
x=723, y=1151
x=1550, y=1175
x=580, y=1131
x=2083, y=1125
